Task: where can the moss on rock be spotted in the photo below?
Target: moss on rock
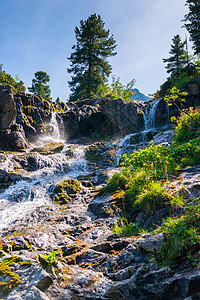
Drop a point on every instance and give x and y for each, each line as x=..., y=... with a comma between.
x=9, y=279
x=94, y=152
x=50, y=148
x=64, y=190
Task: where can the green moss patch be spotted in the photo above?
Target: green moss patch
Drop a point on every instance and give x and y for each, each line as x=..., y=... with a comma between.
x=64, y=190
x=9, y=279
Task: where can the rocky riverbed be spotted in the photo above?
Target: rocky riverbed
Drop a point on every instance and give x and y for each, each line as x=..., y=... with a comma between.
x=85, y=258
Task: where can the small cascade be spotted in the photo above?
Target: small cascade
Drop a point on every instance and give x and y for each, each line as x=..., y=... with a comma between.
x=138, y=140
x=54, y=124
x=149, y=115
x=53, y=132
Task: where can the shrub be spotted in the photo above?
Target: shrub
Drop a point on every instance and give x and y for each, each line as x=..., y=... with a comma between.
x=181, y=235
x=188, y=126
x=123, y=228
x=16, y=85
x=154, y=159
x=137, y=182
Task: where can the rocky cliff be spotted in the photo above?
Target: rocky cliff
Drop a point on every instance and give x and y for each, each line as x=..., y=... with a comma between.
x=28, y=116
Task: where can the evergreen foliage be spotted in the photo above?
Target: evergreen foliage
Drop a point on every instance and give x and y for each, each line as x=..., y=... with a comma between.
x=88, y=62
x=39, y=85
x=192, y=23
x=178, y=58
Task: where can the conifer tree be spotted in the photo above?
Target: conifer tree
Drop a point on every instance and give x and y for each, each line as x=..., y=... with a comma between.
x=39, y=85
x=88, y=62
x=178, y=58
x=192, y=24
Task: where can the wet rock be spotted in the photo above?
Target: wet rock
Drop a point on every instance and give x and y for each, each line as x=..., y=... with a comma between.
x=7, y=178
x=16, y=244
x=35, y=293
x=151, y=220
x=12, y=141
x=101, y=153
x=32, y=113
x=109, y=247
x=27, y=161
x=91, y=120
x=162, y=114
x=123, y=116
x=70, y=123
x=87, y=183
x=69, y=250
x=163, y=137
x=187, y=184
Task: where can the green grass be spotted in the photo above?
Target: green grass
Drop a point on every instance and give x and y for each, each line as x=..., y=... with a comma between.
x=153, y=198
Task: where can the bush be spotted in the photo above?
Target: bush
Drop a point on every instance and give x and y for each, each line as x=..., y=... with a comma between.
x=50, y=259
x=154, y=159
x=188, y=126
x=16, y=85
x=118, y=181
x=181, y=235
x=137, y=182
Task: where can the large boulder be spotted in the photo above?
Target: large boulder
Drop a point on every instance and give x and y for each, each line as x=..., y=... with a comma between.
x=123, y=116
x=91, y=120
x=102, y=116
x=7, y=107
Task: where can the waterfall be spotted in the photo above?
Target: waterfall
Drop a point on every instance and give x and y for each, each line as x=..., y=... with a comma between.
x=54, y=124
x=52, y=134
x=149, y=115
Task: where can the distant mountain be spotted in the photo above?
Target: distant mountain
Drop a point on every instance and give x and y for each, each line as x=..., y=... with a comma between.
x=137, y=95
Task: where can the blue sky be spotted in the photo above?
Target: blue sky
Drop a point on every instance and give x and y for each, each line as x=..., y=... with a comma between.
x=37, y=35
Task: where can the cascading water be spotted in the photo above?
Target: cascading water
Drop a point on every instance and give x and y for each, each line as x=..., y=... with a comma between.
x=53, y=132
x=24, y=199
x=149, y=115
x=133, y=141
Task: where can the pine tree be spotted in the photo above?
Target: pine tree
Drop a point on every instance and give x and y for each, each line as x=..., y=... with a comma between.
x=88, y=62
x=39, y=85
x=178, y=58
x=192, y=24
